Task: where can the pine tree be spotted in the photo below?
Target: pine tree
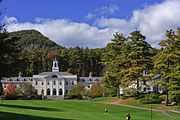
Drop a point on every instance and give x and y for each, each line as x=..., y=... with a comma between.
x=114, y=59
x=139, y=58
x=167, y=64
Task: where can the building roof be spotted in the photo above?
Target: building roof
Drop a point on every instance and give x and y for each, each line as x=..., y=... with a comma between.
x=55, y=73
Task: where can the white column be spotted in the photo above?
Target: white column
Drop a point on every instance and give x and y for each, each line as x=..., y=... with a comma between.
x=57, y=87
x=45, y=87
x=63, y=88
x=51, y=88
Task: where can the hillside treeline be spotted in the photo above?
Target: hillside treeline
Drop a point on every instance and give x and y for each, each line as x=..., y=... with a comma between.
x=33, y=53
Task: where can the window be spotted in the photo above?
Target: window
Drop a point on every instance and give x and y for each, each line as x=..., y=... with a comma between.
x=48, y=82
x=42, y=83
x=60, y=83
x=36, y=83
x=42, y=92
x=144, y=82
x=66, y=82
x=72, y=82
x=36, y=92
x=54, y=91
x=144, y=89
x=54, y=82
x=96, y=80
x=48, y=91
x=66, y=91
x=60, y=91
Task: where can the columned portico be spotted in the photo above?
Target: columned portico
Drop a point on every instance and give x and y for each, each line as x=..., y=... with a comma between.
x=54, y=83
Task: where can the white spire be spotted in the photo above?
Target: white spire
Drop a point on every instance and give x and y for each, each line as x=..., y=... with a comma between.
x=19, y=75
x=90, y=75
x=55, y=67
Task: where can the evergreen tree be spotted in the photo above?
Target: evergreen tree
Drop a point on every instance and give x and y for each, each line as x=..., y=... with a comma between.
x=167, y=64
x=126, y=59
x=139, y=58
x=114, y=59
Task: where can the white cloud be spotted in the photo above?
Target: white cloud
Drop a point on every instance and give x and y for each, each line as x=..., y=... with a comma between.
x=9, y=20
x=67, y=33
x=152, y=21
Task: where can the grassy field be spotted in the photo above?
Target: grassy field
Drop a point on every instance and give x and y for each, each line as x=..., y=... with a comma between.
x=74, y=110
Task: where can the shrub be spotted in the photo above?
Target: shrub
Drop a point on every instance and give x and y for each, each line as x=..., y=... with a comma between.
x=96, y=90
x=25, y=90
x=109, y=91
x=151, y=99
x=77, y=91
x=130, y=92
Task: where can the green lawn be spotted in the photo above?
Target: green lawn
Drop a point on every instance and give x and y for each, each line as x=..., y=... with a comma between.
x=73, y=110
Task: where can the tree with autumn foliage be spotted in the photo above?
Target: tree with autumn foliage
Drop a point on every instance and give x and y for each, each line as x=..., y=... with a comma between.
x=10, y=91
x=96, y=90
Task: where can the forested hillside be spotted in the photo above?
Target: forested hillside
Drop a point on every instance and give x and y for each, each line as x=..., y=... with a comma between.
x=32, y=39
x=36, y=52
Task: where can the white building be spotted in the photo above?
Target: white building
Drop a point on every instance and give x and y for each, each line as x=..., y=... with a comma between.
x=54, y=83
x=87, y=82
x=17, y=81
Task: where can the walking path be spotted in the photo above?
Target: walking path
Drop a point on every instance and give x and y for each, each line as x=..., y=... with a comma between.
x=138, y=107
x=166, y=113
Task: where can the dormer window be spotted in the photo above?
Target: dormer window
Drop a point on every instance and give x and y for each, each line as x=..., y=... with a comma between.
x=96, y=80
x=83, y=80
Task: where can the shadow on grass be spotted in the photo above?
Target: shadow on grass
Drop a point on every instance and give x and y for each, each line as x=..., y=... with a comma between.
x=14, y=116
x=30, y=107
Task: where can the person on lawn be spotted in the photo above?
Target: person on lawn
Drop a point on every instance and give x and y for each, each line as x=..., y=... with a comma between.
x=105, y=110
x=128, y=116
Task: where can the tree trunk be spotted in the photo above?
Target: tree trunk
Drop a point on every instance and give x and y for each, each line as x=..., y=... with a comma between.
x=167, y=97
x=118, y=94
x=137, y=91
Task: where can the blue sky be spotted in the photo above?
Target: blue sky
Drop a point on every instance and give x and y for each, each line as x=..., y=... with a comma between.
x=77, y=10
x=91, y=23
